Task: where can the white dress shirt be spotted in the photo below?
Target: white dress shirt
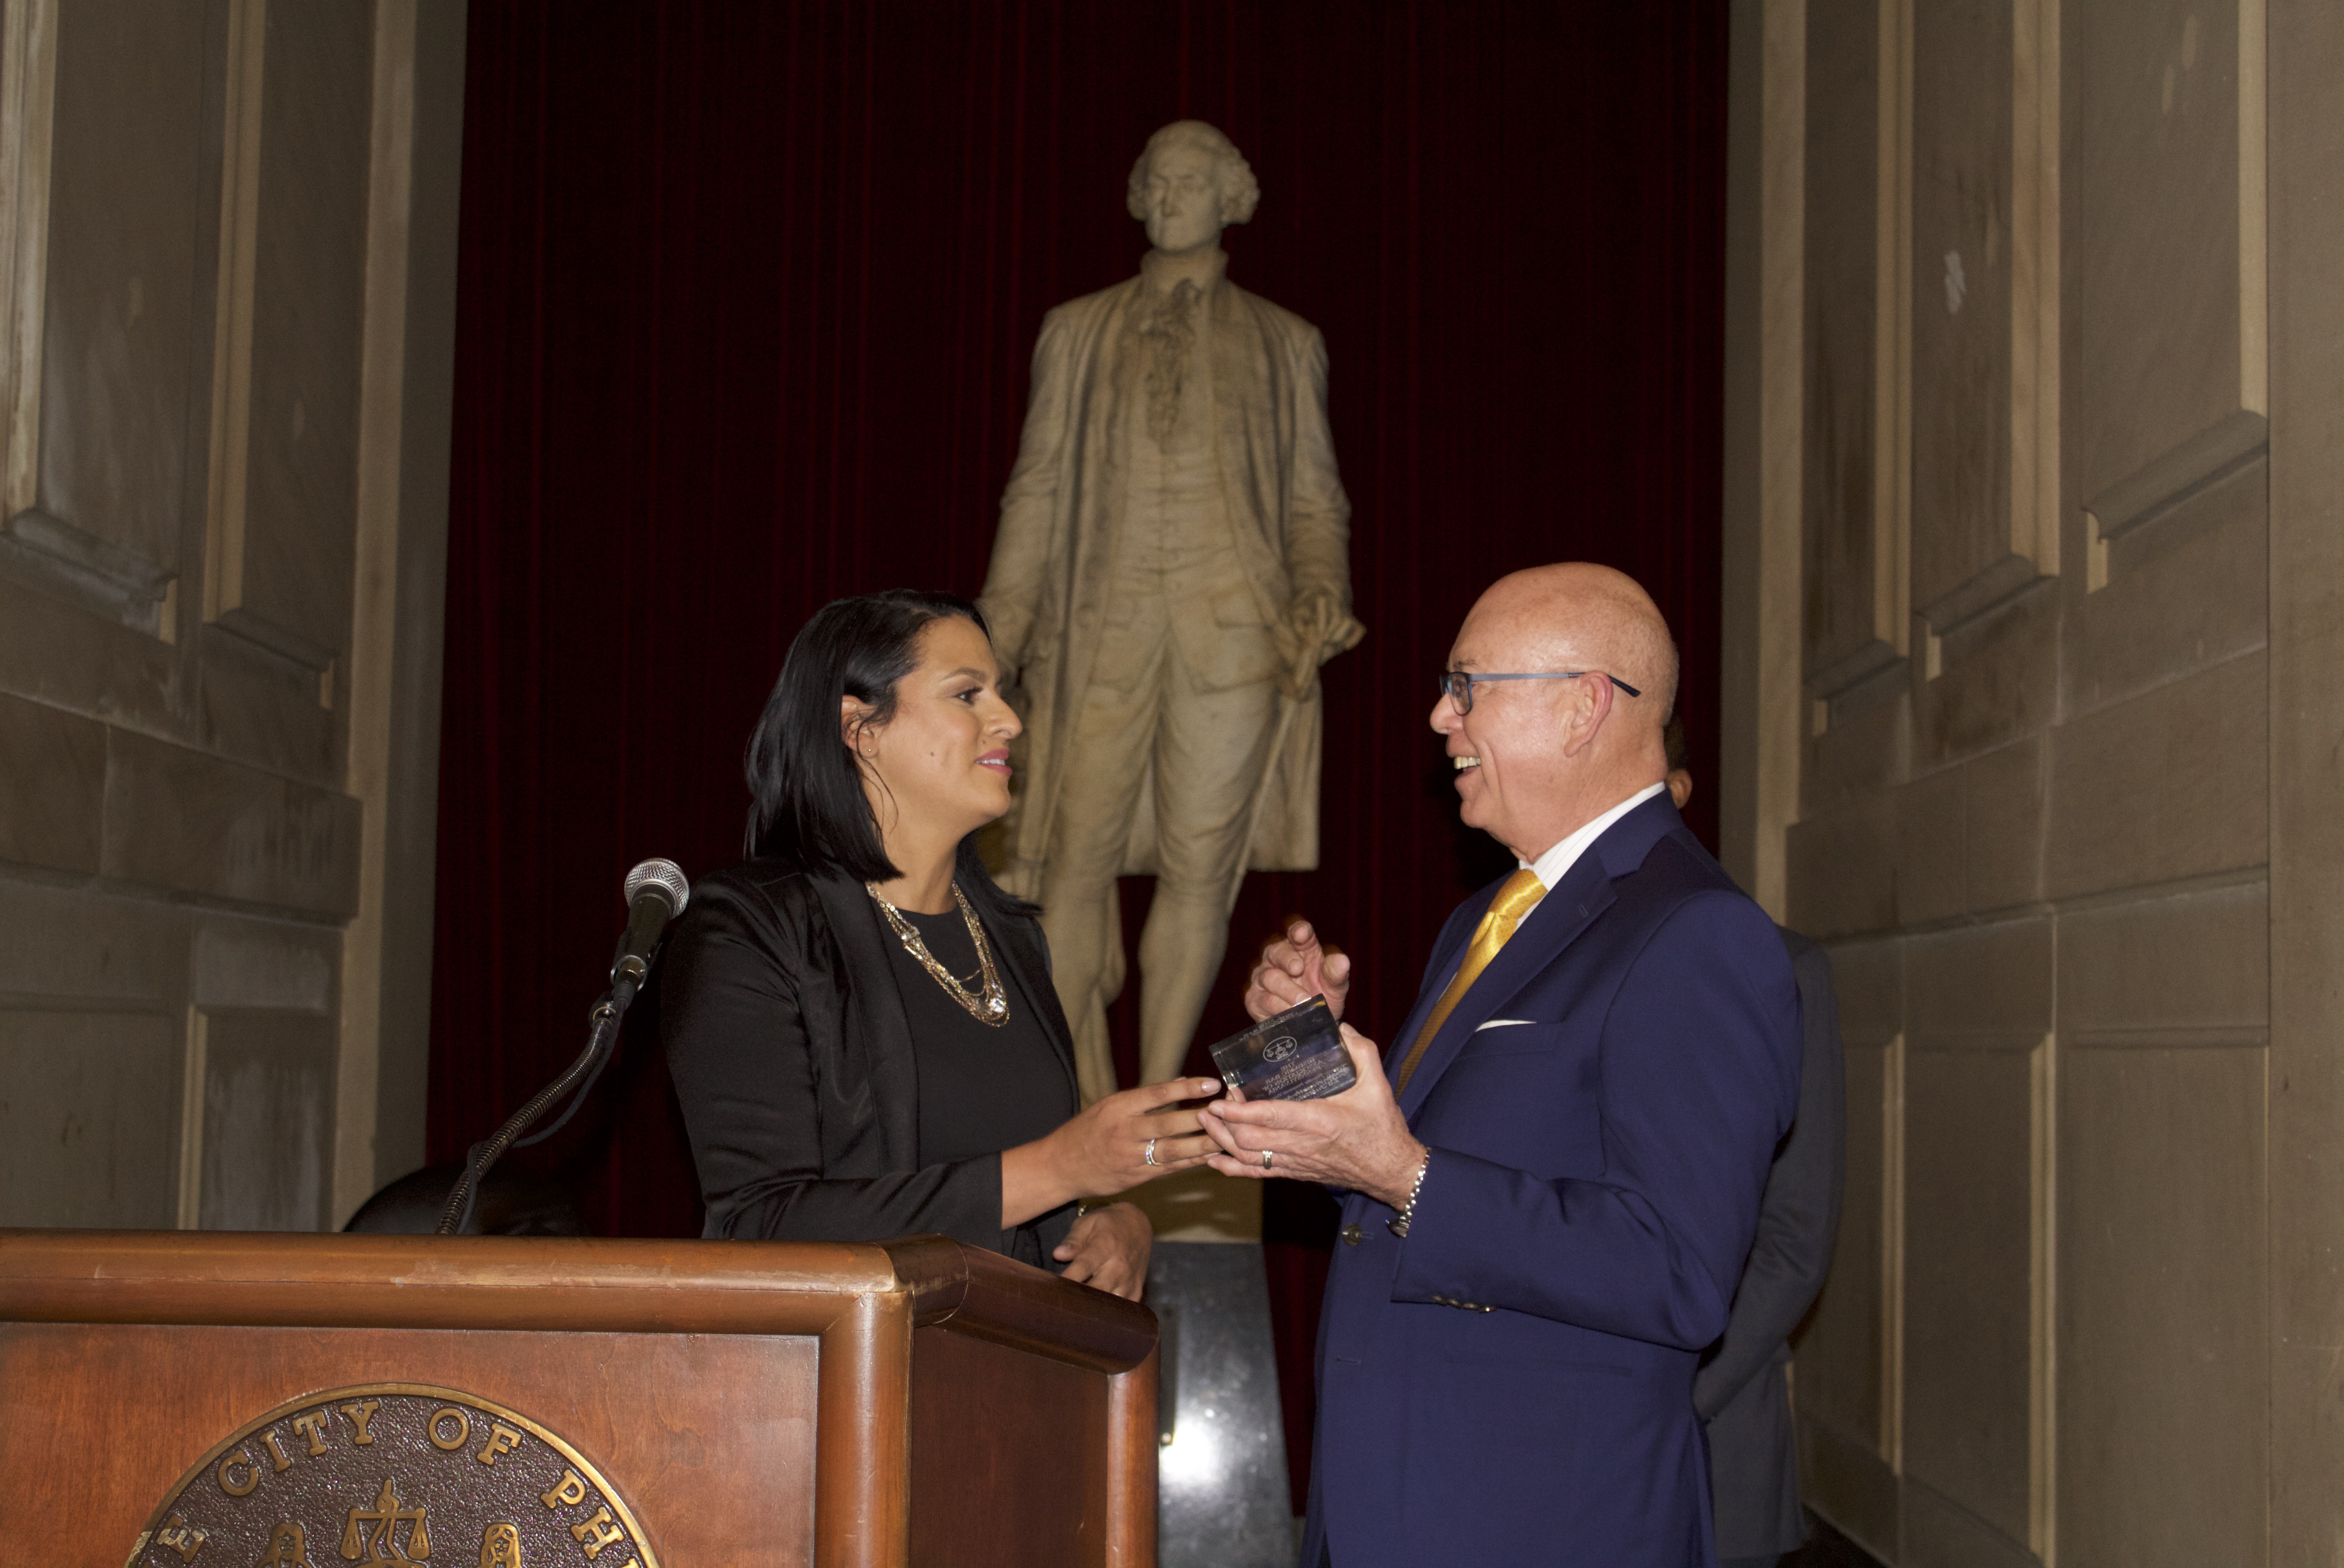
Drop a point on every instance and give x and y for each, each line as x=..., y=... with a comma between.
x=1556, y=862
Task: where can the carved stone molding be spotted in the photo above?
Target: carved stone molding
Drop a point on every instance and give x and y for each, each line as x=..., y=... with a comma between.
x=1852, y=670
x=231, y=436
x=28, y=74
x=100, y=576
x=2163, y=483
x=2161, y=486
x=1980, y=593
x=261, y=631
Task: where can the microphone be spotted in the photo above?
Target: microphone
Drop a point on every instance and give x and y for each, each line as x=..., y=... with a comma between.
x=656, y=894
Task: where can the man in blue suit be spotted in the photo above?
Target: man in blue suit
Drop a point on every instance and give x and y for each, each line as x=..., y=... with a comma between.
x=1551, y=1181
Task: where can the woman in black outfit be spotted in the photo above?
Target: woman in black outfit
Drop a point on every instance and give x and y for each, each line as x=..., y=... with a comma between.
x=860, y=1024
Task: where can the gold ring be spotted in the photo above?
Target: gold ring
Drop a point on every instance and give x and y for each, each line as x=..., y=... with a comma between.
x=1149, y=1153
x=1264, y=1160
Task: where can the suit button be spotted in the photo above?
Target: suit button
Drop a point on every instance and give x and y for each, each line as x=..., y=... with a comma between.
x=1352, y=1234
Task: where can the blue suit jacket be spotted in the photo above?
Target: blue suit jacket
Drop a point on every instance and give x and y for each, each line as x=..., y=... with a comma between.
x=1513, y=1383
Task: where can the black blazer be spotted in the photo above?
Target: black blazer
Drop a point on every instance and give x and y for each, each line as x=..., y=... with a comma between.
x=1741, y=1390
x=787, y=1036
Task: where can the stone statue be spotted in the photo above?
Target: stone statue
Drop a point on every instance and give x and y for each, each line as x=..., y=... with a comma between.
x=1172, y=568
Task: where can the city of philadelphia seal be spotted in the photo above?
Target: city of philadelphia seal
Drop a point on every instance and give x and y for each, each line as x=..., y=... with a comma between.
x=392, y=1472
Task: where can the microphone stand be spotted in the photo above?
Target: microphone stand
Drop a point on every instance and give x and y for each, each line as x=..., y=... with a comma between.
x=581, y=1074
x=656, y=894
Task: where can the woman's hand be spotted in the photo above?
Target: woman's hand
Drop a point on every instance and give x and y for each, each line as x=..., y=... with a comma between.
x=1134, y=1137
x=1107, y=1250
x=1106, y=1148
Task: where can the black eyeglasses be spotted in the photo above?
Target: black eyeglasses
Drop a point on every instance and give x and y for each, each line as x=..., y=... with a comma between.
x=1457, y=685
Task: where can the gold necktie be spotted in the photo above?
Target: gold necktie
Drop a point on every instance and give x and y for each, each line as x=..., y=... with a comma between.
x=1523, y=890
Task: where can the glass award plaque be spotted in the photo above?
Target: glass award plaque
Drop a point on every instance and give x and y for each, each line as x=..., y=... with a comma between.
x=1298, y=1055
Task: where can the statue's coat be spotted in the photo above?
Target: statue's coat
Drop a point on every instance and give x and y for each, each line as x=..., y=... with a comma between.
x=1061, y=516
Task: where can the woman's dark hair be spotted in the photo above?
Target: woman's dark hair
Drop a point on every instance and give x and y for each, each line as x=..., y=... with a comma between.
x=805, y=786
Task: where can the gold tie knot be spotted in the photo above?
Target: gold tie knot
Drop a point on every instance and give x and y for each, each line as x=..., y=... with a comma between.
x=1521, y=891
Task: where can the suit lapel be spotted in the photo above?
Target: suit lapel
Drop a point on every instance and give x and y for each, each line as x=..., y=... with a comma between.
x=876, y=1022
x=1020, y=942
x=1447, y=952
x=1553, y=926
x=1561, y=917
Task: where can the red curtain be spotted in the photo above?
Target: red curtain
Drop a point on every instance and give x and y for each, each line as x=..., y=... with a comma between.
x=746, y=297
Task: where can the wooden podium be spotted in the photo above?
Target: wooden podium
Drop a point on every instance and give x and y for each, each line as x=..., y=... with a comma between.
x=192, y=1400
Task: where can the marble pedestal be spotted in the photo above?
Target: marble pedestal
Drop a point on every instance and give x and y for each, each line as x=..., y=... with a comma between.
x=1222, y=1497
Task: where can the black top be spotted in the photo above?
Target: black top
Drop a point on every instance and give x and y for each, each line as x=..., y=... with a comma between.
x=982, y=1089
x=786, y=1007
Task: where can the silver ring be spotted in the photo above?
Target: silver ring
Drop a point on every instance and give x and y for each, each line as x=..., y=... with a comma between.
x=1264, y=1160
x=1149, y=1155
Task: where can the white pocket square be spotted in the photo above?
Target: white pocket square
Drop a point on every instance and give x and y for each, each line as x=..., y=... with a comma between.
x=1506, y=1024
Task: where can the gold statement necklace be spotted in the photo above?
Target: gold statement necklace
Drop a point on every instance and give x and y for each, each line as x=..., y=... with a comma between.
x=992, y=1008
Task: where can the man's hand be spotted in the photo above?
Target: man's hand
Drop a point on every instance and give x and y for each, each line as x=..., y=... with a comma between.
x=1107, y=1250
x=1296, y=968
x=1356, y=1140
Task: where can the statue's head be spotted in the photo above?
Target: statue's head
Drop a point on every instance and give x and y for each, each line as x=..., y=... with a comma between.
x=1190, y=183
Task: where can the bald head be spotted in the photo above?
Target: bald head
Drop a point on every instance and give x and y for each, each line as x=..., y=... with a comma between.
x=1536, y=759
x=1581, y=616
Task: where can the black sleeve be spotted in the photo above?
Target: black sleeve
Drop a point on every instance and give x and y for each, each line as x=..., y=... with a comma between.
x=1798, y=1219
x=750, y=1014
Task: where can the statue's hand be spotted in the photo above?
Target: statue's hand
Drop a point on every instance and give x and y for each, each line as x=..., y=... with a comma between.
x=1313, y=629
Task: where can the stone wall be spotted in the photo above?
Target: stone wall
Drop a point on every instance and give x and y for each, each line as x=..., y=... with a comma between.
x=2007, y=369
x=227, y=247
